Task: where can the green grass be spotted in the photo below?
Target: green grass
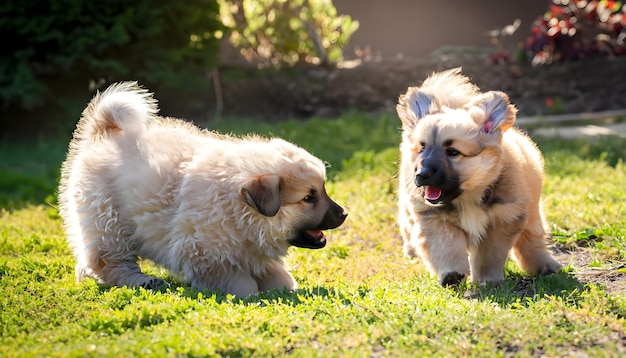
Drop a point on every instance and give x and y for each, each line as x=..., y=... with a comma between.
x=357, y=297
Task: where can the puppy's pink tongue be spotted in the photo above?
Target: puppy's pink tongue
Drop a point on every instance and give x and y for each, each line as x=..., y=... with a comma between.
x=432, y=193
x=315, y=233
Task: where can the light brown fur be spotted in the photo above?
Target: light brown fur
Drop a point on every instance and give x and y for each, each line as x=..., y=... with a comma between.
x=217, y=210
x=456, y=138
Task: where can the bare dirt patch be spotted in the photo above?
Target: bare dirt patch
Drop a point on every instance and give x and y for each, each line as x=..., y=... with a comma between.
x=581, y=258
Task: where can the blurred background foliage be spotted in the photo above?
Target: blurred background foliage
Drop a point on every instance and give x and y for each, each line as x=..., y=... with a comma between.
x=276, y=33
x=57, y=53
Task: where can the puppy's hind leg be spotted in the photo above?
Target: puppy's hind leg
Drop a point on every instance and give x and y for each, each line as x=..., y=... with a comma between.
x=531, y=252
x=127, y=273
x=276, y=277
x=106, y=249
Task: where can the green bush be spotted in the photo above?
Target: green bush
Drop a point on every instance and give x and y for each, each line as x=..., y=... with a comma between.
x=52, y=45
x=278, y=32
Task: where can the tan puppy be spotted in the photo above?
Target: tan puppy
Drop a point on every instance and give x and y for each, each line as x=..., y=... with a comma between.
x=217, y=210
x=468, y=182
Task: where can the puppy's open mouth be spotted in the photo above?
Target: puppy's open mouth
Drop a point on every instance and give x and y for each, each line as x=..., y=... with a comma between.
x=309, y=239
x=432, y=193
x=436, y=196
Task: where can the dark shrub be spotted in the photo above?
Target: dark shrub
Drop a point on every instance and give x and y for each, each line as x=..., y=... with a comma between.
x=53, y=48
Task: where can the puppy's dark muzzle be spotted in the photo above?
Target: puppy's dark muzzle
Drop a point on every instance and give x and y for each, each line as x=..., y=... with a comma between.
x=314, y=238
x=334, y=217
x=435, y=175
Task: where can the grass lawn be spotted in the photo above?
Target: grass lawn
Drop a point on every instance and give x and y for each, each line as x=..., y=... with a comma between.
x=358, y=296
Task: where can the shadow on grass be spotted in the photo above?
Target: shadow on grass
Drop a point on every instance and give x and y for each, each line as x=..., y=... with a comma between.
x=300, y=296
x=525, y=290
x=177, y=287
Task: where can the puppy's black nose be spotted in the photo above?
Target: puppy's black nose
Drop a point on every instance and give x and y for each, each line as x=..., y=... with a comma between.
x=343, y=214
x=334, y=217
x=423, y=175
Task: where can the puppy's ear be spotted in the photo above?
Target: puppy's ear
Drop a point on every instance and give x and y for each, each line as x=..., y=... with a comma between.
x=492, y=111
x=415, y=105
x=263, y=194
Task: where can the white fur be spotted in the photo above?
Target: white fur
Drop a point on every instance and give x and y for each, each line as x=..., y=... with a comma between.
x=137, y=185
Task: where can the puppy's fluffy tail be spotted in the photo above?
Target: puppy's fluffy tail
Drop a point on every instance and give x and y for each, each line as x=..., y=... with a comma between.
x=450, y=88
x=122, y=110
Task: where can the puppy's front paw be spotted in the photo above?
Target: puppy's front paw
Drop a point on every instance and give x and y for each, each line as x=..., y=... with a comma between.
x=154, y=284
x=451, y=279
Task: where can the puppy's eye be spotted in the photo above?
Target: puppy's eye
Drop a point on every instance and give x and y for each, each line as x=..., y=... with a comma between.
x=309, y=199
x=422, y=146
x=451, y=152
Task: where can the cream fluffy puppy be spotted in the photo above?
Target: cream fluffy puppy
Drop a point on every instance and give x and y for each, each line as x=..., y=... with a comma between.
x=469, y=183
x=217, y=210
